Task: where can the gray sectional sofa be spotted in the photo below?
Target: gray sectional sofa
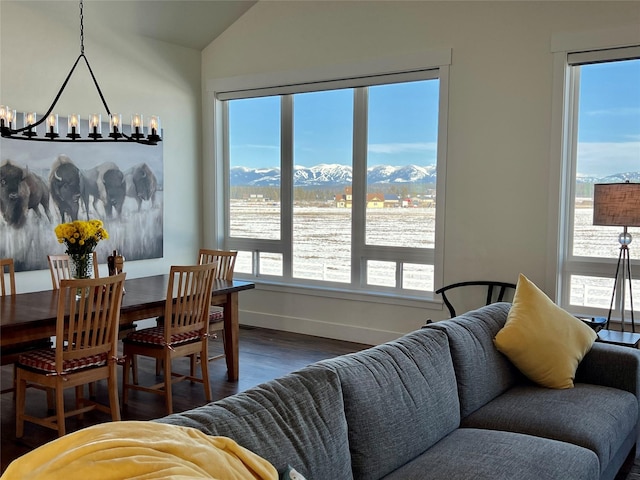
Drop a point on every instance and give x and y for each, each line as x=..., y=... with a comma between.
x=438, y=403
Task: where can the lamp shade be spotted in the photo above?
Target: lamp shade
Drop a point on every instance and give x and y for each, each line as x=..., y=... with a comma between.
x=616, y=204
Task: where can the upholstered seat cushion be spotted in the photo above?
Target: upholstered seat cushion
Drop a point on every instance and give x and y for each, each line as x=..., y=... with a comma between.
x=494, y=455
x=45, y=360
x=155, y=336
x=566, y=415
x=216, y=314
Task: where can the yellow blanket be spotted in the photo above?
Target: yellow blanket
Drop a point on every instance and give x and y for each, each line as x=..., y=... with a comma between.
x=140, y=450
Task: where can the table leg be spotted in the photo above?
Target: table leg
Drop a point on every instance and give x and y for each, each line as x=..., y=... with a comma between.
x=231, y=334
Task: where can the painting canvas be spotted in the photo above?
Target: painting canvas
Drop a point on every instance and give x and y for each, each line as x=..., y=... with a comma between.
x=45, y=183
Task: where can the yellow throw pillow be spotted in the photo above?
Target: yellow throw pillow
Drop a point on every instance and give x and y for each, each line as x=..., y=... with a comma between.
x=542, y=340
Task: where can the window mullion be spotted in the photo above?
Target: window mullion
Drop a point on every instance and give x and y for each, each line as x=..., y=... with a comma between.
x=286, y=183
x=359, y=186
x=568, y=185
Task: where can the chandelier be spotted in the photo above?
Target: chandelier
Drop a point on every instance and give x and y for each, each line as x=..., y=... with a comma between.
x=10, y=129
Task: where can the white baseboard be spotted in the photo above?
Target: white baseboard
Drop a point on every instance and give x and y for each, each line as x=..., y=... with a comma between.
x=317, y=328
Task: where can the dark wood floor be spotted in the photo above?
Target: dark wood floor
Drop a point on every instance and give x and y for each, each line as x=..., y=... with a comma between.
x=264, y=355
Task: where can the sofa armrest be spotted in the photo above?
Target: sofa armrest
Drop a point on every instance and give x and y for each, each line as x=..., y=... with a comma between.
x=611, y=366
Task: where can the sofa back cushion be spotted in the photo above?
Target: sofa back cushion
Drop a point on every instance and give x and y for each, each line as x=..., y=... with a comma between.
x=295, y=420
x=482, y=371
x=399, y=398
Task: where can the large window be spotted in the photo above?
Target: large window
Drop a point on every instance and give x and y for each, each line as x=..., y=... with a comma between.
x=335, y=185
x=602, y=135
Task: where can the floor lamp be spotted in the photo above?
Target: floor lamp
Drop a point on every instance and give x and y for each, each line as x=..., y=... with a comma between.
x=618, y=204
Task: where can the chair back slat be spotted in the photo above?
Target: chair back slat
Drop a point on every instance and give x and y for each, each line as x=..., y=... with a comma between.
x=60, y=268
x=10, y=289
x=225, y=259
x=190, y=311
x=88, y=325
x=489, y=284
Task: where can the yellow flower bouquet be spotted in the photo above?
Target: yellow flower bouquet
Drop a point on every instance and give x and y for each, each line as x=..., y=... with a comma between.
x=81, y=238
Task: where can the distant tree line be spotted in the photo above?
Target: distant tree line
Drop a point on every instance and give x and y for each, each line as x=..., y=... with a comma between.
x=325, y=193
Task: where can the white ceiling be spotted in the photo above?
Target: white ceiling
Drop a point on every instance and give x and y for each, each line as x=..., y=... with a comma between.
x=189, y=23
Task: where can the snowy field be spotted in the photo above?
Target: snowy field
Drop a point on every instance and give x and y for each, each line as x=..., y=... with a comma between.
x=322, y=241
x=322, y=238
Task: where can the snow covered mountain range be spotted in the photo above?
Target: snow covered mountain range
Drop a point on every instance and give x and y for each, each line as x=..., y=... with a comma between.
x=329, y=175
x=633, y=177
x=333, y=174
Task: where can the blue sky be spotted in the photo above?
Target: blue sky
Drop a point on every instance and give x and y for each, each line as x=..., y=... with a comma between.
x=402, y=127
x=403, y=124
x=609, y=118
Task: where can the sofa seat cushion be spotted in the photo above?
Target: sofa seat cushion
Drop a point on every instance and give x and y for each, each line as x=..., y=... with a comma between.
x=295, y=420
x=399, y=399
x=494, y=455
x=591, y=416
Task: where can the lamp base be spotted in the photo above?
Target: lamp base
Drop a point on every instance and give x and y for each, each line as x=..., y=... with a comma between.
x=625, y=273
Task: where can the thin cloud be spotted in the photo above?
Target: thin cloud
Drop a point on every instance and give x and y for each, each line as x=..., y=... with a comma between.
x=393, y=148
x=610, y=112
x=607, y=158
x=257, y=146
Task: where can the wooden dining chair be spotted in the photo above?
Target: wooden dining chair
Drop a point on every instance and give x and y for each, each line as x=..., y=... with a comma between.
x=7, y=287
x=182, y=334
x=60, y=268
x=225, y=261
x=85, y=352
x=10, y=355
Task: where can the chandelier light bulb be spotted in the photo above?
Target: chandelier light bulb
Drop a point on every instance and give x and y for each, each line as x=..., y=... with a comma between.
x=52, y=126
x=73, y=124
x=29, y=120
x=95, y=126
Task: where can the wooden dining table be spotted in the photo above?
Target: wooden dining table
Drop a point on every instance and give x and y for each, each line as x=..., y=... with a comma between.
x=32, y=316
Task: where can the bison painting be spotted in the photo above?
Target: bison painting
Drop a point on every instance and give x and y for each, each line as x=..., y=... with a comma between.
x=141, y=184
x=21, y=190
x=106, y=183
x=67, y=186
x=119, y=183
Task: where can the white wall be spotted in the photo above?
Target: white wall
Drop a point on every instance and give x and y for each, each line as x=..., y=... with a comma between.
x=136, y=75
x=499, y=122
x=499, y=166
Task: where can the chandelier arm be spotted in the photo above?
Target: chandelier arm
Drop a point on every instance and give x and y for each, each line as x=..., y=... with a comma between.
x=127, y=138
x=55, y=101
x=95, y=82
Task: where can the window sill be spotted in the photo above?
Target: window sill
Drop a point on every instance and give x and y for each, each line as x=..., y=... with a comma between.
x=370, y=296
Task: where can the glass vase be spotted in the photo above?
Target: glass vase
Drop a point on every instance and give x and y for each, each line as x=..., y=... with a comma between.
x=81, y=265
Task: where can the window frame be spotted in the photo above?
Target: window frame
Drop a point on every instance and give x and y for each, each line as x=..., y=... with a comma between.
x=569, y=51
x=216, y=194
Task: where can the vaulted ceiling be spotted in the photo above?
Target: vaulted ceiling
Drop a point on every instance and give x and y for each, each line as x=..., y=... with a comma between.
x=189, y=23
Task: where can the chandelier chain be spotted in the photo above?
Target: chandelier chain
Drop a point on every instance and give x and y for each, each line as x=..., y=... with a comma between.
x=81, y=29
